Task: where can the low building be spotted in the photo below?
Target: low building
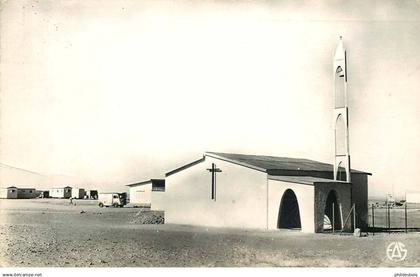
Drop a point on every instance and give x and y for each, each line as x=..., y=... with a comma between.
x=13, y=192
x=91, y=194
x=44, y=194
x=64, y=192
x=78, y=193
x=9, y=192
x=141, y=193
x=390, y=199
x=27, y=193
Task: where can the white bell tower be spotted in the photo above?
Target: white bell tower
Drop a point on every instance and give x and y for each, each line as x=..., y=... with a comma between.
x=341, y=116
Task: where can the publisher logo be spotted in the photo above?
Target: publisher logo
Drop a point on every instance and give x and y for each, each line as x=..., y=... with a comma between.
x=396, y=251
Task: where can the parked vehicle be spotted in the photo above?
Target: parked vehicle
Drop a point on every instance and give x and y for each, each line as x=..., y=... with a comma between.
x=114, y=199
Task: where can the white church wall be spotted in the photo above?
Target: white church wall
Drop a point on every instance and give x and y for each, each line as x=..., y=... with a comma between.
x=240, y=196
x=141, y=194
x=305, y=198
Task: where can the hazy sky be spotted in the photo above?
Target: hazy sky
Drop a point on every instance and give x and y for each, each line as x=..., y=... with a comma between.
x=118, y=91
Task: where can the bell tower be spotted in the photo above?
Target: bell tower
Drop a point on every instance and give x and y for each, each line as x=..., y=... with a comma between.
x=341, y=116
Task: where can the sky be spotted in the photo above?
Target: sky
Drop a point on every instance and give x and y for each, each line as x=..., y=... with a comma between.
x=113, y=92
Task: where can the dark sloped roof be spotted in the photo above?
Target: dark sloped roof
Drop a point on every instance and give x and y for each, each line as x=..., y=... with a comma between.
x=270, y=164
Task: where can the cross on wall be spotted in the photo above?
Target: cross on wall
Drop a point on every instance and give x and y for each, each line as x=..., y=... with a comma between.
x=213, y=171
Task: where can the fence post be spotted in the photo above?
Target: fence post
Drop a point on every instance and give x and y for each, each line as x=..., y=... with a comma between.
x=333, y=220
x=373, y=219
x=405, y=216
x=389, y=219
x=354, y=217
x=386, y=216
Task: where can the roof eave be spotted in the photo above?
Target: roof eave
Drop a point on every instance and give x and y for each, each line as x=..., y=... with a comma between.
x=178, y=169
x=212, y=155
x=140, y=183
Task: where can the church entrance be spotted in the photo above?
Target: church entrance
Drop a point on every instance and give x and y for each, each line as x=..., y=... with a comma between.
x=332, y=214
x=289, y=216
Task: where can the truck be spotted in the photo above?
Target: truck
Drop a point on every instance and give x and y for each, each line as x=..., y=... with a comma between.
x=114, y=199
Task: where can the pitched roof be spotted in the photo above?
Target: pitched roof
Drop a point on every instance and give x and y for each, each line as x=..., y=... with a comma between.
x=272, y=164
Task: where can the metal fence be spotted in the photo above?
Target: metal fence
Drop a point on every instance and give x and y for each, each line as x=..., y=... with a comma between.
x=394, y=218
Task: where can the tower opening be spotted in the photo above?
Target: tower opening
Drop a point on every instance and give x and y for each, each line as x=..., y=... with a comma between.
x=340, y=136
x=339, y=80
x=341, y=173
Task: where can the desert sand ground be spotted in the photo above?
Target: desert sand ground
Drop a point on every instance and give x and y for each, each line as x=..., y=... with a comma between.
x=51, y=233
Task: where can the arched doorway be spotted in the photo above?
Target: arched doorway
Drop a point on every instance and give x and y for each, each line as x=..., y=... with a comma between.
x=289, y=216
x=332, y=212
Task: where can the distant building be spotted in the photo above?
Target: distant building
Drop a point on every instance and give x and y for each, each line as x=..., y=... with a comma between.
x=27, y=193
x=78, y=193
x=390, y=199
x=141, y=193
x=64, y=192
x=44, y=194
x=18, y=193
x=412, y=197
x=91, y=194
x=9, y=193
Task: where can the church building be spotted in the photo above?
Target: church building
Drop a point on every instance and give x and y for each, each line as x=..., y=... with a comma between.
x=266, y=192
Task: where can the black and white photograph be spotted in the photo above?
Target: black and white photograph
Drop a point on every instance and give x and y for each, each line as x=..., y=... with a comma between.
x=172, y=135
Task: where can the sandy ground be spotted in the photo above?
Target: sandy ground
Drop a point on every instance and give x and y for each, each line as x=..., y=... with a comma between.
x=51, y=233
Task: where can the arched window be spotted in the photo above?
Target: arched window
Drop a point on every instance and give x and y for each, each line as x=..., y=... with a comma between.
x=289, y=216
